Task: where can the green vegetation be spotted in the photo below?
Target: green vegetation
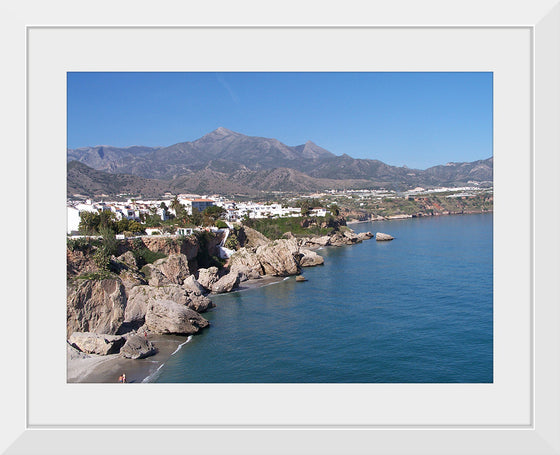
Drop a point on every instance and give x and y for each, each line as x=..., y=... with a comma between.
x=82, y=244
x=92, y=223
x=213, y=213
x=204, y=258
x=146, y=256
x=301, y=226
x=232, y=241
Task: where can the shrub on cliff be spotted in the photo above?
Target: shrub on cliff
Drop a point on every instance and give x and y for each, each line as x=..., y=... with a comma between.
x=80, y=244
x=102, y=258
x=232, y=242
x=145, y=256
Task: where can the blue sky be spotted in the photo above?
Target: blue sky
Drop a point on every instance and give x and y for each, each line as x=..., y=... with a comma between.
x=413, y=119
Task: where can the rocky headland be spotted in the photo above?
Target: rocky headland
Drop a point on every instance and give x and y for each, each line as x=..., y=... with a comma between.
x=163, y=286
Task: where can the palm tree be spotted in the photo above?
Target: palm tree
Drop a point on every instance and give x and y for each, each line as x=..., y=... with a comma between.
x=175, y=204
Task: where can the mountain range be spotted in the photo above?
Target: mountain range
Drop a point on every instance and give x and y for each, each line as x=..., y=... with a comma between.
x=227, y=162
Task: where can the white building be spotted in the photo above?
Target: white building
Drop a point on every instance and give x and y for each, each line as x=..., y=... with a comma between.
x=199, y=203
x=73, y=216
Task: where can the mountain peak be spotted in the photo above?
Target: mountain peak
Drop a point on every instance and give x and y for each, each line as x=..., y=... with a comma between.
x=223, y=131
x=217, y=134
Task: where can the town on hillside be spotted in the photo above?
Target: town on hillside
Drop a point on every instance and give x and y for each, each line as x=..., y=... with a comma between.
x=181, y=214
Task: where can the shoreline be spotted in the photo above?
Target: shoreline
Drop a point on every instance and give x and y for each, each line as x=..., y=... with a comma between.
x=90, y=368
x=407, y=217
x=106, y=369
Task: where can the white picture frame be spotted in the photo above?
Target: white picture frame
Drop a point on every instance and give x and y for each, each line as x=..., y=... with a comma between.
x=29, y=427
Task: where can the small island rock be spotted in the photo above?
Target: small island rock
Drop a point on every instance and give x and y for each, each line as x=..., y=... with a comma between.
x=380, y=237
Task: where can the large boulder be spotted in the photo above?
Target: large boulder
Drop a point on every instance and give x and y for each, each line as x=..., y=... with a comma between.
x=381, y=237
x=246, y=259
x=244, y=272
x=310, y=258
x=251, y=238
x=346, y=237
x=165, y=316
x=279, y=258
x=95, y=306
x=207, y=277
x=137, y=347
x=199, y=303
x=226, y=283
x=131, y=279
x=170, y=270
x=195, y=292
x=365, y=236
x=129, y=260
x=320, y=241
x=192, y=286
x=350, y=235
x=96, y=343
x=139, y=296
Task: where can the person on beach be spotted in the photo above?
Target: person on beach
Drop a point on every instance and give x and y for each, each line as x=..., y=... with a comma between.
x=123, y=378
x=120, y=378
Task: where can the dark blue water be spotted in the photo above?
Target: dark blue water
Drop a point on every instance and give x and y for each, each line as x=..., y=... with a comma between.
x=414, y=310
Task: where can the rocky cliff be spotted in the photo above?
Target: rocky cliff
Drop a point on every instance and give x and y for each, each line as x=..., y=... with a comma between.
x=107, y=308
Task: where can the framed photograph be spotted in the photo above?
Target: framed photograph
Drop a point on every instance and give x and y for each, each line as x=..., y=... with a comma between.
x=515, y=412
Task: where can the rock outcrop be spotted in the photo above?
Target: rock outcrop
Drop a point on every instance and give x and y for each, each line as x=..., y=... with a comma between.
x=170, y=270
x=129, y=260
x=192, y=286
x=95, y=306
x=250, y=238
x=77, y=263
x=165, y=316
x=199, y=303
x=381, y=237
x=364, y=236
x=95, y=343
x=131, y=279
x=226, y=283
x=195, y=292
x=137, y=347
x=140, y=297
x=281, y=257
x=207, y=277
x=277, y=258
x=245, y=259
x=320, y=241
x=244, y=272
x=310, y=258
x=342, y=238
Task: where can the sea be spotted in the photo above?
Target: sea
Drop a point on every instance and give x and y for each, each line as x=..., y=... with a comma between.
x=417, y=309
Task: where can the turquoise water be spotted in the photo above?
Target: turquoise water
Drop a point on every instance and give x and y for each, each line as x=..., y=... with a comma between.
x=414, y=310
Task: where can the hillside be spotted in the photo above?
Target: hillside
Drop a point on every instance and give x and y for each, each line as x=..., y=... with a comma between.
x=228, y=162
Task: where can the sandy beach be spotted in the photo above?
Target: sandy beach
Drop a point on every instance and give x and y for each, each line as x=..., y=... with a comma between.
x=106, y=369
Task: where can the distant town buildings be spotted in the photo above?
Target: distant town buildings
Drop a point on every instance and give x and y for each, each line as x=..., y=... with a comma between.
x=138, y=210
